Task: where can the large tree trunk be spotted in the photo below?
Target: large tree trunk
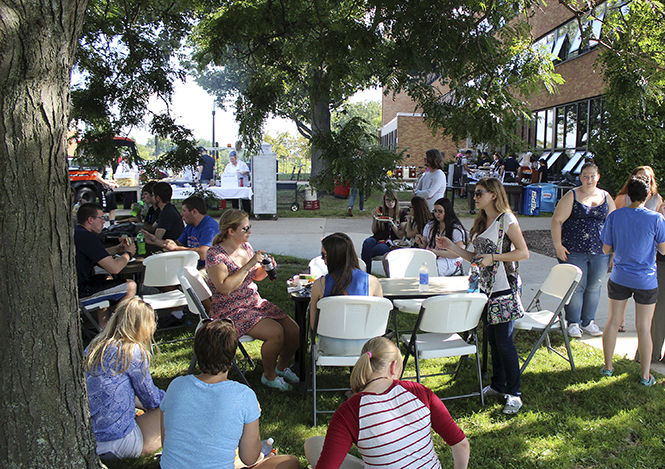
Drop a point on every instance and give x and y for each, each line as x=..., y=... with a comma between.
x=320, y=103
x=44, y=421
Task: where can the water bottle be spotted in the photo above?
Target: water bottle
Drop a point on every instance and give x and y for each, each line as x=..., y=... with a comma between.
x=266, y=447
x=474, y=275
x=140, y=244
x=423, y=278
x=269, y=268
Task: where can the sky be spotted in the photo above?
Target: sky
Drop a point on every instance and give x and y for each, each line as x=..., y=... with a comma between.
x=192, y=107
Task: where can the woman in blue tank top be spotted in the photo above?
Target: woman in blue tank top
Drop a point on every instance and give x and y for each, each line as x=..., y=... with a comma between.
x=344, y=278
x=576, y=226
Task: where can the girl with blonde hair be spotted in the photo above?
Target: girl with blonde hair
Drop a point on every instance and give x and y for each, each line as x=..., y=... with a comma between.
x=389, y=420
x=232, y=266
x=118, y=378
x=494, y=230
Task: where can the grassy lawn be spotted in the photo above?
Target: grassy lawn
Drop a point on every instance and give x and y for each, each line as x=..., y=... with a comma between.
x=569, y=420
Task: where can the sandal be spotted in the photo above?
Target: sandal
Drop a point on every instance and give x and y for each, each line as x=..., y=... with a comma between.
x=605, y=372
x=648, y=382
x=622, y=328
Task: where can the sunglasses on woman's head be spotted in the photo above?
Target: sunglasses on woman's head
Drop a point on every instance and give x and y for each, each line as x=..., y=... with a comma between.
x=479, y=193
x=245, y=229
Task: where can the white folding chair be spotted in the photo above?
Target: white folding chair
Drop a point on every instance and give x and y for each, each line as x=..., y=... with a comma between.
x=560, y=283
x=196, y=291
x=89, y=325
x=346, y=318
x=405, y=263
x=318, y=267
x=161, y=270
x=441, y=319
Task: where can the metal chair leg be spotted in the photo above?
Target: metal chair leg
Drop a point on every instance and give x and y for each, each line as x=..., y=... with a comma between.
x=480, y=373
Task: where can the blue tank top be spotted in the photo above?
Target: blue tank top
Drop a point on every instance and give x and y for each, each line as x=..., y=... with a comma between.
x=359, y=284
x=581, y=231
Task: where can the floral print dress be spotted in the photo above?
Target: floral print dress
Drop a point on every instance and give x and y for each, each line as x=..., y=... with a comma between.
x=244, y=306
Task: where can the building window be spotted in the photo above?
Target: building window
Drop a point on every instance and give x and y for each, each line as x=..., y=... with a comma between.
x=550, y=128
x=568, y=41
x=540, y=129
x=582, y=124
x=571, y=126
x=560, y=127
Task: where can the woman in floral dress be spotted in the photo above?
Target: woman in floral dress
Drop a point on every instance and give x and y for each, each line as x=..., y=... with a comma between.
x=232, y=266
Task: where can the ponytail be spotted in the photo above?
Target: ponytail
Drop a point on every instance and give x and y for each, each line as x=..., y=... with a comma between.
x=377, y=354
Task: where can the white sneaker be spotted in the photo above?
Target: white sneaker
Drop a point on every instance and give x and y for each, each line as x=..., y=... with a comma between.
x=490, y=391
x=513, y=404
x=592, y=329
x=574, y=330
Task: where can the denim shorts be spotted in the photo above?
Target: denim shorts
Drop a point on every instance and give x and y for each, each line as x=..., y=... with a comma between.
x=129, y=446
x=642, y=297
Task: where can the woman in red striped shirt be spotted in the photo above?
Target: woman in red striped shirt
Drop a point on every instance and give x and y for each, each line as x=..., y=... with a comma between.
x=389, y=420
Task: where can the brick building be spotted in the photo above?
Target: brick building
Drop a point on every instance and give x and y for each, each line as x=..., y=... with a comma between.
x=562, y=121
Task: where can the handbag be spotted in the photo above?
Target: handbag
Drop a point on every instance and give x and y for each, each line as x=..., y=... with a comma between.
x=508, y=307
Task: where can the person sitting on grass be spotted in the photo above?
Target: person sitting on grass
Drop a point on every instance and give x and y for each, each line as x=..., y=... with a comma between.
x=207, y=416
x=633, y=233
x=389, y=420
x=118, y=380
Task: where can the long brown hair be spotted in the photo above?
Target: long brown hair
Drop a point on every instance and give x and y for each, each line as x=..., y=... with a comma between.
x=421, y=213
x=653, y=185
x=501, y=204
x=390, y=195
x=341, y=259
x=230, y=219
x=133, y=323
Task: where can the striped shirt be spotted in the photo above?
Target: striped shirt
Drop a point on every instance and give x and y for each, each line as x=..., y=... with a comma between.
x=391, y=429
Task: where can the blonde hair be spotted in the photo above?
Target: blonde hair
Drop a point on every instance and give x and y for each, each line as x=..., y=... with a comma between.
x=230, y=219
x=378, y=353
x=501, y=204
x=133, y=323
x=653, y=185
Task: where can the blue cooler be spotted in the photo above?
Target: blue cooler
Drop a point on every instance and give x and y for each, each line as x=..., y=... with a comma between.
x=547, y=196
x=531, y=200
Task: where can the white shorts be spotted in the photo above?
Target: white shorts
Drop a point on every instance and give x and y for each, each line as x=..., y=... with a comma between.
x=129, y=446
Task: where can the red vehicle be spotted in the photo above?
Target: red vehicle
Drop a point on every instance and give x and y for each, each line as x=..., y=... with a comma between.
x=85, y=180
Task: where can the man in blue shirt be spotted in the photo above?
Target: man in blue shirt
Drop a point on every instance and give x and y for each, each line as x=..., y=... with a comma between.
x=633, y=233
x=200, y=231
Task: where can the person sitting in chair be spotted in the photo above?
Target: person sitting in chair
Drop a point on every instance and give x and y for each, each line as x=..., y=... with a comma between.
x=90, y=252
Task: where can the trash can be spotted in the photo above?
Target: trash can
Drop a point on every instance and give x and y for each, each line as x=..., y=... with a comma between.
x=547, y=196
x=341, y=190
x=531, y=200
x=311, y=199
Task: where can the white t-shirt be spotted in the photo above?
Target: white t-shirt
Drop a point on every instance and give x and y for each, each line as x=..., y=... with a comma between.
x=241, y=167
x=490, y=237
x=431, y=186
x=445, y=266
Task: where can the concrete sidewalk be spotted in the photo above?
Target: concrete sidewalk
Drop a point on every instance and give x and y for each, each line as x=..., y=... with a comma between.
x=301, y=237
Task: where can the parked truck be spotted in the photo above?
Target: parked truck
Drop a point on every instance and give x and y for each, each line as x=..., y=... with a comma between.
x=86, y=181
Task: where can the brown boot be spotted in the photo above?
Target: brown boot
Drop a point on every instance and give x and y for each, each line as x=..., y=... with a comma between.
x=349, y=211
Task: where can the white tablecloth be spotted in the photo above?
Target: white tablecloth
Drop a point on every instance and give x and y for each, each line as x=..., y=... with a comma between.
x=180, y=193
